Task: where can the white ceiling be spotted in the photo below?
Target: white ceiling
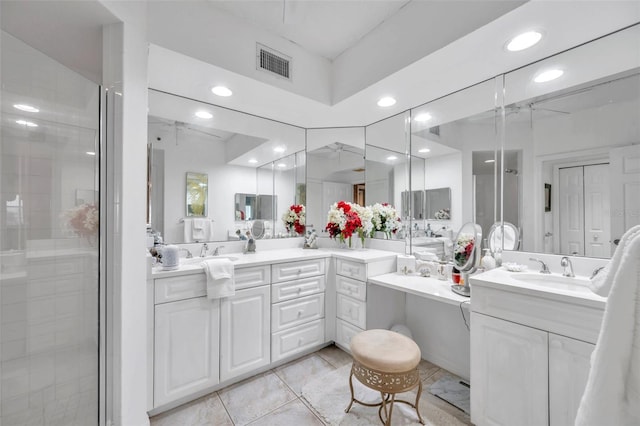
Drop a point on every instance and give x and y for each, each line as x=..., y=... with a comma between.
x=324, y=27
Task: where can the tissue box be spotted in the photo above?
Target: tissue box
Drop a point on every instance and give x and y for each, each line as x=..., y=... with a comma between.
x=406, y=264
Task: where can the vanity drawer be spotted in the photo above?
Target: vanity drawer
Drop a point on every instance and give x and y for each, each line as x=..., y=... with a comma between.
x=181, y=287
x=350, y=287
x=298, y=339
x=299, y=288
x=252, y=276
x=297, y=311
x=351, y=310
x=293, y=270
x=348, y=268
x=344, y=334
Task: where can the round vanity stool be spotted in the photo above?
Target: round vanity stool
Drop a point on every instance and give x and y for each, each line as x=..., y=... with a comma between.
x=387, y=362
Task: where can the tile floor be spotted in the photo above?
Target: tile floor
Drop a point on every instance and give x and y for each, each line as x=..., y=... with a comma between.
x=274, y=397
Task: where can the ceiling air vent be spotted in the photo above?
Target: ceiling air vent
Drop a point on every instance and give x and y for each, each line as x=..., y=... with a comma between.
x=273, y=61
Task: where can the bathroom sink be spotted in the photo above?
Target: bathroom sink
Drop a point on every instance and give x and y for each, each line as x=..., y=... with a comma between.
x=553, y=281
x=199, y=260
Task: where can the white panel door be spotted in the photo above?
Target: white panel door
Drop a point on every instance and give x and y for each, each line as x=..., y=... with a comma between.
x=245, y=331
x=625, y=187
x=186, y=348
x=569, y=364
x=597, y=215
x=509, y=383
x=571, y=195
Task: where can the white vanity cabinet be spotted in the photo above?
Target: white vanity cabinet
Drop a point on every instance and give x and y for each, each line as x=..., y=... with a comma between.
x=186, y=348
x=245, y=321
x=526, y=366
x=297, y=310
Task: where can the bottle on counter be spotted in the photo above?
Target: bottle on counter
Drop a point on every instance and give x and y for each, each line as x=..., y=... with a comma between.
x=487, y=261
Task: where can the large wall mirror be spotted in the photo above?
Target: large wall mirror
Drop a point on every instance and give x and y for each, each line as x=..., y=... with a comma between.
x=335, y=171
x=387, y=168
x=573, y=133
x=456, y=138
x=186, y=136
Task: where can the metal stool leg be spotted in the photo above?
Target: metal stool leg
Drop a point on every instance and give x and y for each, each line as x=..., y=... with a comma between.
x=351, y=389
x=418, y=401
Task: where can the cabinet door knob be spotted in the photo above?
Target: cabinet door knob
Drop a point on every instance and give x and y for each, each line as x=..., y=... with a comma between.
x=300, y=342
x=299, y=313
x=299, y=289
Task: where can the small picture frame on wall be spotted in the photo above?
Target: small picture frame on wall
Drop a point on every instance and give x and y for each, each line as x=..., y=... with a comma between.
x=547, y=197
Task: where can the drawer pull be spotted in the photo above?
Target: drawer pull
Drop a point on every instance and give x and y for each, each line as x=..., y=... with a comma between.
x=300, y=342
x=299, y=313
x=299, y=289
x=299, y=271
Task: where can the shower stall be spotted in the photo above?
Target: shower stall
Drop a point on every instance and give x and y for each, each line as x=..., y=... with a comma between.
x=50, y=293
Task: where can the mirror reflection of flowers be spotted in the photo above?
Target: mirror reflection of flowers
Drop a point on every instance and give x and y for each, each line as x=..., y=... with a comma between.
x=385, y=219
x=442, y=214
x=294, y=218
x=345, y=218
x=463, y=248
x=84, y=219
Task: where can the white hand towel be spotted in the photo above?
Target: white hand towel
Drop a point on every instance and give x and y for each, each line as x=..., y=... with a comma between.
x=199, y=229
x=601, y=283
x=612, y=394
x=220, y=280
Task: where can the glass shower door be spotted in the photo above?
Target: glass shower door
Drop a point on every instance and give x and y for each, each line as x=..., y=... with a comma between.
x=49, y=235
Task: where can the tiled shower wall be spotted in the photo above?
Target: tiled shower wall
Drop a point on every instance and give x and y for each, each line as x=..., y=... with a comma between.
x=49, y=293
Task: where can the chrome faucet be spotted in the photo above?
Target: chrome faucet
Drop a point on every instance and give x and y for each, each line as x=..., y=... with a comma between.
x=596, y=272
x=565, y=262
x=216, y=252
x=545, y=268
x=204, y=250
x=189, y=255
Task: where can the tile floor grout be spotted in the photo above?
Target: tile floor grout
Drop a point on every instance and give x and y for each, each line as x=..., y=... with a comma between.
x=324, y=361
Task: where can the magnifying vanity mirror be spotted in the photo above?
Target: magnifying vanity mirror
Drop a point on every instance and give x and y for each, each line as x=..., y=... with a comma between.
x=466, y=255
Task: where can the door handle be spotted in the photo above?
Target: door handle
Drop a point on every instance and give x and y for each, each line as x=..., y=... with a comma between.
x=616, y=241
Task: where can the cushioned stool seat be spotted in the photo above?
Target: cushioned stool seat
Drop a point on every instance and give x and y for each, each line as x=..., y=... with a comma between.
x=387, y=362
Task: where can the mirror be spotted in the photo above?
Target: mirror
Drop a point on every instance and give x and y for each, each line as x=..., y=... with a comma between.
x=466, y=255
x=252, y=206
x=438, y=203
x=335, y=172
x=230, y=146
x=386, y=167
x=451, y=135
x=575, y=143
x=197, y=188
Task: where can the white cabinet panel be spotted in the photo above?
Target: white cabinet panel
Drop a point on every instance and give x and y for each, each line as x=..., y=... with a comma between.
x=293, y=289
x=297, y=339
x=351, y=310
x=509, y=382
x=297, y=311
x=252, y=276
x=186, y=348
x=569, y=364
x=350, y=269
x=294, y=270
x=180, y=287
x=344, y=334
x=245, y=331
x=350, y=287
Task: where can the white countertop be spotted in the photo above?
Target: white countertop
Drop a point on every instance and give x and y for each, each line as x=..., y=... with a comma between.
x=267, y=257
x=502, y=279
x=430, y=288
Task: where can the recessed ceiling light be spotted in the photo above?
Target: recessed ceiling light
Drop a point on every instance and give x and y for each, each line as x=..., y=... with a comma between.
x=27, y=108
x=90, y=153
x=548, y=75
x=26, y=123
x=387, y=101
x=279, y=149
x=490, y=161
x=421, y=118
x=524, y=41
x=282, y=165
x=253, y=161
x=204, y=114
x=424, y=150
x=392, y=157
x=222, y=91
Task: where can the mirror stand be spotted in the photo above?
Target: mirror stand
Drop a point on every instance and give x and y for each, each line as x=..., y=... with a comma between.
x=463, y=290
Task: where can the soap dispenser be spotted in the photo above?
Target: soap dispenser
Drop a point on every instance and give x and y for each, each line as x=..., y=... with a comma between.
x=487, y=261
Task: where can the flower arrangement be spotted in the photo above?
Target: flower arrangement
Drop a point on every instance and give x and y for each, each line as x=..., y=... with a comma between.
x=84, y=219
x=442, y=214
x=344, y=219
x=384, y=219
x=294, y=218
x=463, y=248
